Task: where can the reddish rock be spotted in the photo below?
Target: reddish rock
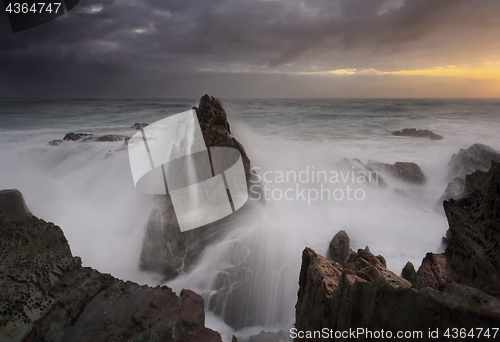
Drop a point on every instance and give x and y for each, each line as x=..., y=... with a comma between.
x=420, y=133
x=458, y=289
x=46, y=295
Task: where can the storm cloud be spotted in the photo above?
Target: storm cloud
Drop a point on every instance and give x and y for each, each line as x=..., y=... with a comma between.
x=245, y=48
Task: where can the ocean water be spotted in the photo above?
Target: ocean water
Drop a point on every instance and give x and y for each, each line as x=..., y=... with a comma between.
x=86, y=187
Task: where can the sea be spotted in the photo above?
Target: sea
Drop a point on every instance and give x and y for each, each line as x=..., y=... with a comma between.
x=300, y=148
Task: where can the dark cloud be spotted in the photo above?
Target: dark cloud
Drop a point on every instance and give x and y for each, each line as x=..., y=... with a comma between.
x=167, y=48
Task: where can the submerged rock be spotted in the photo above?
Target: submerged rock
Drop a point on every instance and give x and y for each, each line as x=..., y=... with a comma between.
x=165, y=249
x=112, y=137
x=56, y=142
x=75, y=136
x=421, y=133
x=89, y=137
x=466, y=161
x=46, y=294
x=406, y=171
x=338, y=249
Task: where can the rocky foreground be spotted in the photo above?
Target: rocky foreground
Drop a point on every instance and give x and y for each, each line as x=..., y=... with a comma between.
x=46, y=294
x=457, y=289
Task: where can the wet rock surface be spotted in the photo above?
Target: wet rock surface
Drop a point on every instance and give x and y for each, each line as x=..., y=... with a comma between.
x=84, y=137
x=473, y=239
x=459, y=288
x=338, y=249
x=417, y=133
x=364, y=294
x=167, y=250
x=13, y=206
x=406, y=171
x=75, y=136
x=46, y=295
x=466, y=161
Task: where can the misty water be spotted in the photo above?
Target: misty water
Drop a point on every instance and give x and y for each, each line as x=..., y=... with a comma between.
x=86, y=187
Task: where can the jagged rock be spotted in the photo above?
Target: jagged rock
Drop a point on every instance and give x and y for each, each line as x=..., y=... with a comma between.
x=75, y=136
x=338, y=249
x=112, y=137
x=165, y=249
x=406, y=171
x=371, y=176
x=432, y=272
x=138, y=125
x=13, y=206
x=366, y=295
x=89, y=137
x=46, y=295
x=476, y=157
x=382, y=260
x=421, y=133
x=56, y=142
x=409, y=273
x=473, y=239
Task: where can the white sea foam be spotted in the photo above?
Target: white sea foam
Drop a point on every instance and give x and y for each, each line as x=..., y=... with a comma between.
x=87, y=188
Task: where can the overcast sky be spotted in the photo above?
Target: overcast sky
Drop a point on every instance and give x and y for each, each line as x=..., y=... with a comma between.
x=257, y=48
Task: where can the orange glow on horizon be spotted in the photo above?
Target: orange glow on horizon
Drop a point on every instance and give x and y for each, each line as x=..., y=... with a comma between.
x=466, y=73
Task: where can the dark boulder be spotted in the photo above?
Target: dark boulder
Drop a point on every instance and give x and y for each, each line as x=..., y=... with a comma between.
x=138, y=125
x=365, y=295
x=338, y=249
x=409, y=273
x=56, y=142
x=12, y=205
x=406, y=171
x=75, y=136
x=112, y=137
x=458, y=289
x=46, y=295
x=90, y=137
x=420, y=133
